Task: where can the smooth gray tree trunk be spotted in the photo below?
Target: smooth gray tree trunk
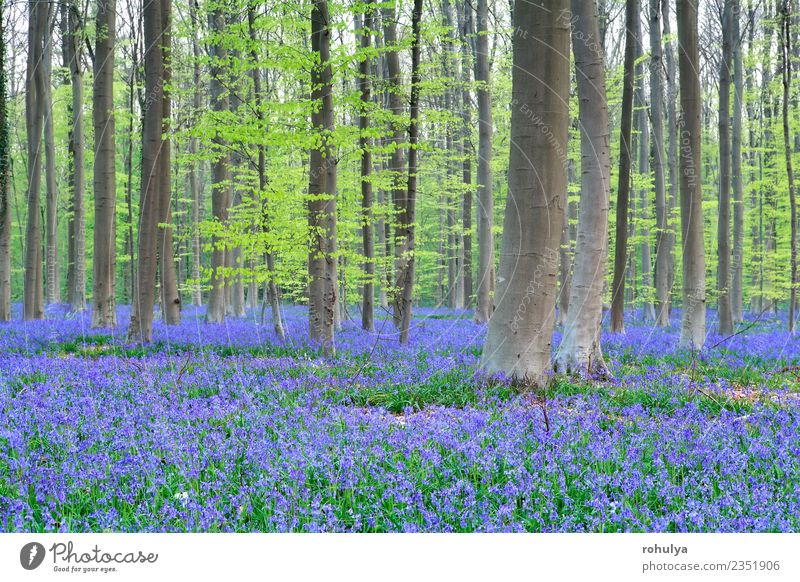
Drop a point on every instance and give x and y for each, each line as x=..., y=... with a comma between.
x=5, y=192
x=367, y=217
x=737, y=265
x=519, y=339
x=724, y=312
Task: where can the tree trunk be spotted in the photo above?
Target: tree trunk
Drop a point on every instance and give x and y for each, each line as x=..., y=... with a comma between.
x=33, y=298
x=465, y=26
x=623, y=188
x=72, y=49
x=368, y=298
x=141, y=326
x=52, y=276
x=672, y=155
x=194, y=179
x=5, y=193
x=693, y=317
x=580, y=350
x=736, y=170
x=519, y=339
x=484, y=300
x=662, y=283
x=406, y=241
x=220, y=188
x=104, y=311
x=723, y=215
x=786, y=76
x=322, y=286
x=170, y=298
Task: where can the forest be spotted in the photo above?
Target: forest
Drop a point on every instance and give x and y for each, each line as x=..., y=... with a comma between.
x=401, y=265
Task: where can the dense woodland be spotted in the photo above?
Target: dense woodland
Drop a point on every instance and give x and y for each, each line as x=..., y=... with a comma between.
x=539, y=162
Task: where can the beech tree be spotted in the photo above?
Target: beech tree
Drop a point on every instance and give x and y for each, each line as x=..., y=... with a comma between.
x=723, y=223
x=693, y=316
x=104, y=303
x=580, y=350
x=5, y=198
x=518, y=342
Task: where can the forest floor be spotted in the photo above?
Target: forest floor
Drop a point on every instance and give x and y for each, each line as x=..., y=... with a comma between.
x=223, y=428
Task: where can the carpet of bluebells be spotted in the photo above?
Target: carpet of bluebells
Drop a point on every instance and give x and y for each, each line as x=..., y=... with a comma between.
x=224, y=428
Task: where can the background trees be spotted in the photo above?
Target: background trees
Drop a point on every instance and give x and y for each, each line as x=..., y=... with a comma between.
x=324, y=155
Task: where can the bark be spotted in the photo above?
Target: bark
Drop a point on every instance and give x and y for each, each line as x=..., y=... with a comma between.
x=661, y=271
x=693, y=317
x=322, y=286
x=786, y=77
x=5, y=193
x=33, y=298
x=580, y=350
x=220, y=188
x=723, y=216
x=368, y=294
x=737, y=264
x=396, y=160
x=104, y=311
x=519, y=339
x=52, y=276
x=194, y=178
x=465, y=26
x=170, y=297
x=485, y=217
x=643, y=123
x=271, y=294
x=141, y=326
x=406, y=241
x=72, y=49
x=625, y=153
x=672, y=155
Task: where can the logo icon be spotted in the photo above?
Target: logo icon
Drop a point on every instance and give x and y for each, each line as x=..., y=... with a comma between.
x=31, y=555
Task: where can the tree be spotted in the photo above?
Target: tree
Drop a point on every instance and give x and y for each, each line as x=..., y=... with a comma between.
x=104, y=311
x=5, y=194
x=737, y=264
x=368, y=294
x=483, y=310
x=786, y=77
x=519, y=339
x=663, y=248
x=141, y=326
x=693, y=316
x=220, y=187
x=625, y=153
x=33, y=299
x=723, y=216
x=72, y=48
x=580, y=350
x=52, y=278
x=322, y=272
x=170, y=298
x=464, y=13
x=194, y=146
x=406, y=242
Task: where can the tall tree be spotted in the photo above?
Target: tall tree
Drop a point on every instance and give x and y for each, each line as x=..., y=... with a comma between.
x=625, y=154
x=737, y=264
x=33, y=298
x=406, y=241
x=104, y=311
x=170, y=297
x=786, y=76
x=723, y=216
x=5, y=194
x=52, y=278
x=519, y=339
x=322, y=272
x=141, y=326
x=368, y=296
x=464, y=13
x=693, y=316
x=663, y=249
x=671, y=71
x=72, y=48
x=258, y=95
x=220, y=187
x=580, y=350
x=483, y=310
x=194, y=146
